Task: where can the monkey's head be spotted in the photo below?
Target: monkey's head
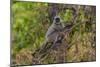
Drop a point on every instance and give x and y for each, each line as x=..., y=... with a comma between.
x=56, y=20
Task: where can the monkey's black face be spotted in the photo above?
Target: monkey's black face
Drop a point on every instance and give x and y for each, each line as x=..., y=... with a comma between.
x=57, y=20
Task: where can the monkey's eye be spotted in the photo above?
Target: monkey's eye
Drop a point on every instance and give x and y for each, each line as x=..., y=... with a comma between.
x=57, y=19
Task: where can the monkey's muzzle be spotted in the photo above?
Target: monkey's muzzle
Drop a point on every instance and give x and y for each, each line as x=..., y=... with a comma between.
x=57, y=19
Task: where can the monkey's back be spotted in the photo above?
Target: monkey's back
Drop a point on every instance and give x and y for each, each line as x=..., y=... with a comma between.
x=52, y=32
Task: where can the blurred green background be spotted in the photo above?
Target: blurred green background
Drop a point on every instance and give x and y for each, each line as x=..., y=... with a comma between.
x=30, y=21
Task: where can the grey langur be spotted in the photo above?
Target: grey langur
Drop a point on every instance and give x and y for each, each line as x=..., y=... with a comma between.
x=51, y=35
x=54, y=29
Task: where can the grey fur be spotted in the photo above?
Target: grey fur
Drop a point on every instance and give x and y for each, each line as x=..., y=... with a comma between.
x=54, y=30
